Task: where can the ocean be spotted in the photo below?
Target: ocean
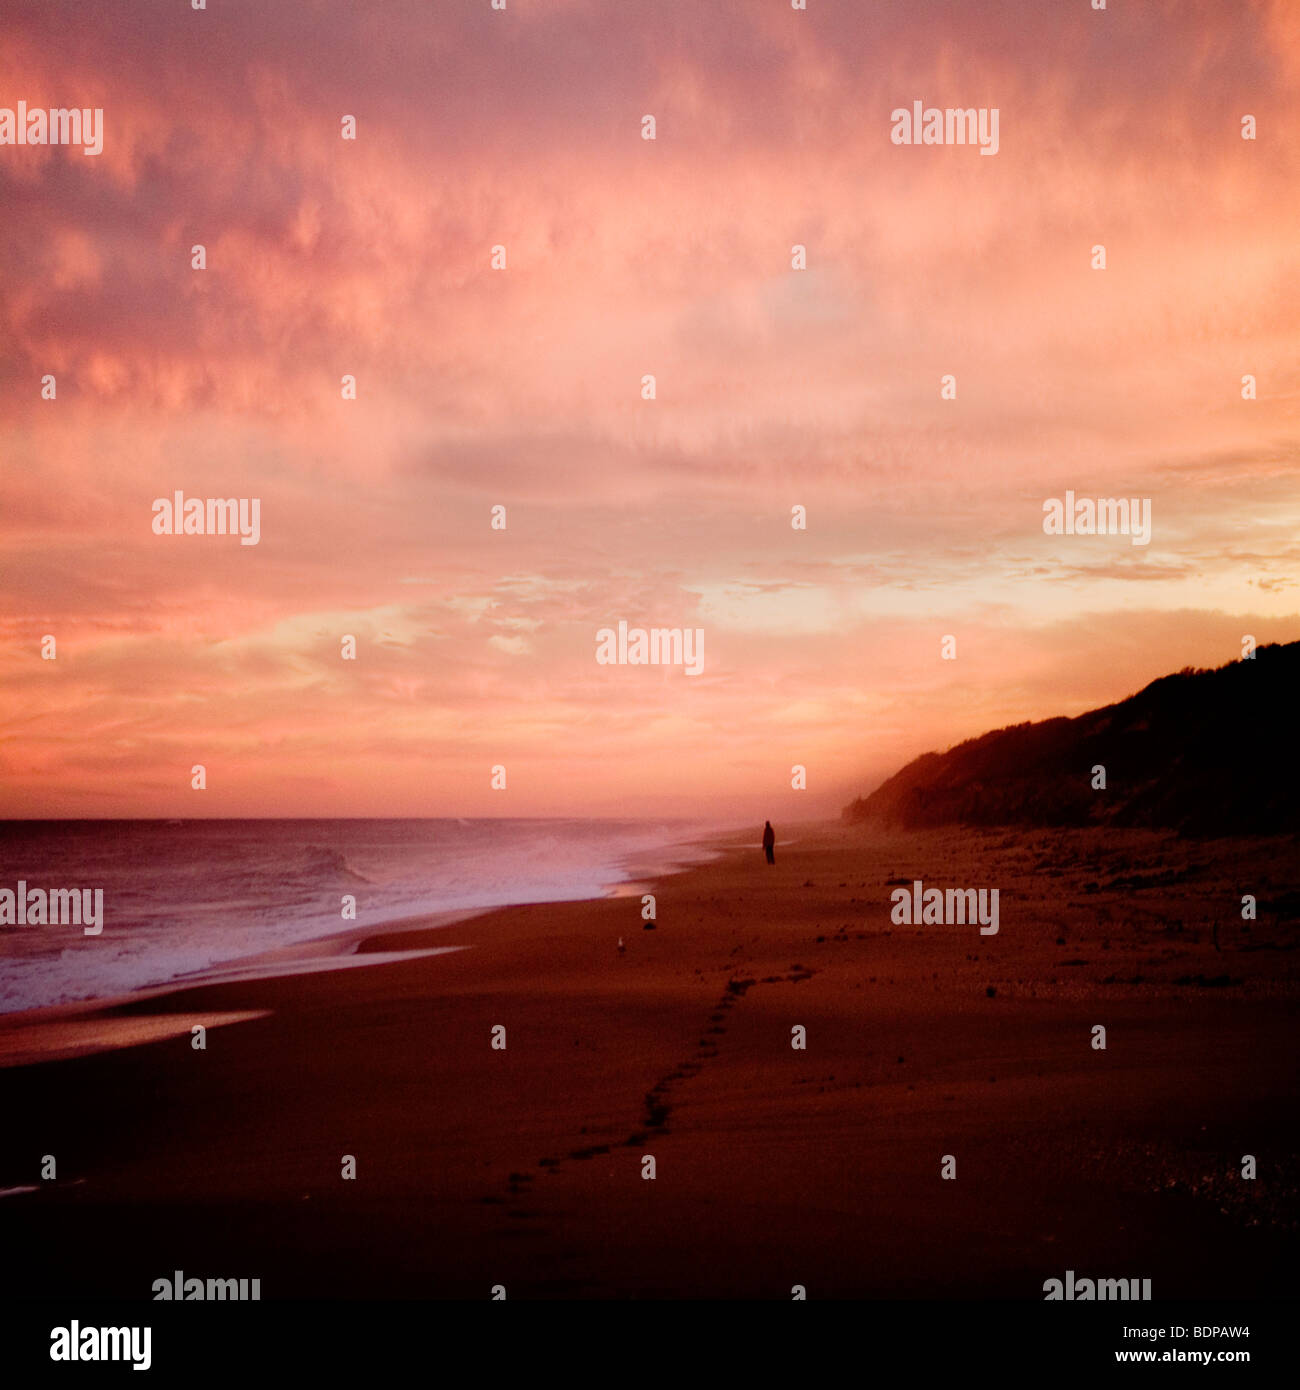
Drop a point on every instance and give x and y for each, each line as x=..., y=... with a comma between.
x=183, y=897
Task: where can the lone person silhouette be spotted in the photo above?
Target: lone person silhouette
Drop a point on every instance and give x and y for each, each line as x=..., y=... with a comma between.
x=769, y=841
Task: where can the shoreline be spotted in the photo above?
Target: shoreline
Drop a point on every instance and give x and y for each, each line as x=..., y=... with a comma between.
x=333, y=950
x=524, y=1166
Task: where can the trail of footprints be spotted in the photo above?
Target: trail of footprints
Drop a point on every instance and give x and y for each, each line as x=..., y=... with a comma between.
x=657, y=1104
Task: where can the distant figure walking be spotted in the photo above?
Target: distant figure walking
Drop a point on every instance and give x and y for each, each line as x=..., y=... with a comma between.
x=769, y=841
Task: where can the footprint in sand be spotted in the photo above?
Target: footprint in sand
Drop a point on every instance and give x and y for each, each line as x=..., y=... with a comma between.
x=592, y=1152
x=657, y=1108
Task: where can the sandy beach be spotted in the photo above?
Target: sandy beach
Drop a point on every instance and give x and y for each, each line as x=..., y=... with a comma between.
x=774, y=1167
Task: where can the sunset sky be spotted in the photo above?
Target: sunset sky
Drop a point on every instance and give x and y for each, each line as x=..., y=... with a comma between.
x=522, y=388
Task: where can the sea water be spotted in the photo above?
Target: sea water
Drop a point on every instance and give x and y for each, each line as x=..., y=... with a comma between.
x=185, y=896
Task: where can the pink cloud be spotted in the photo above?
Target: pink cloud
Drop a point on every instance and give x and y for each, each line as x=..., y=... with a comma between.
x=523, y=388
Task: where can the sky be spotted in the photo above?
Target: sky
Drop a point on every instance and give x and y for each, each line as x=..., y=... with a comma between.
x=522, y=388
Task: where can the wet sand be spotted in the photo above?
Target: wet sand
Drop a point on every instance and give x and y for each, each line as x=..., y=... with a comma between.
x=774, y=1167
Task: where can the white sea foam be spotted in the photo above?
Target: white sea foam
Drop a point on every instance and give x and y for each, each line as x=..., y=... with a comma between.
x=182, y=898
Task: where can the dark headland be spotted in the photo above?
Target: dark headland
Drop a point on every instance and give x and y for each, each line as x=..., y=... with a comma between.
x=1204, y=752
